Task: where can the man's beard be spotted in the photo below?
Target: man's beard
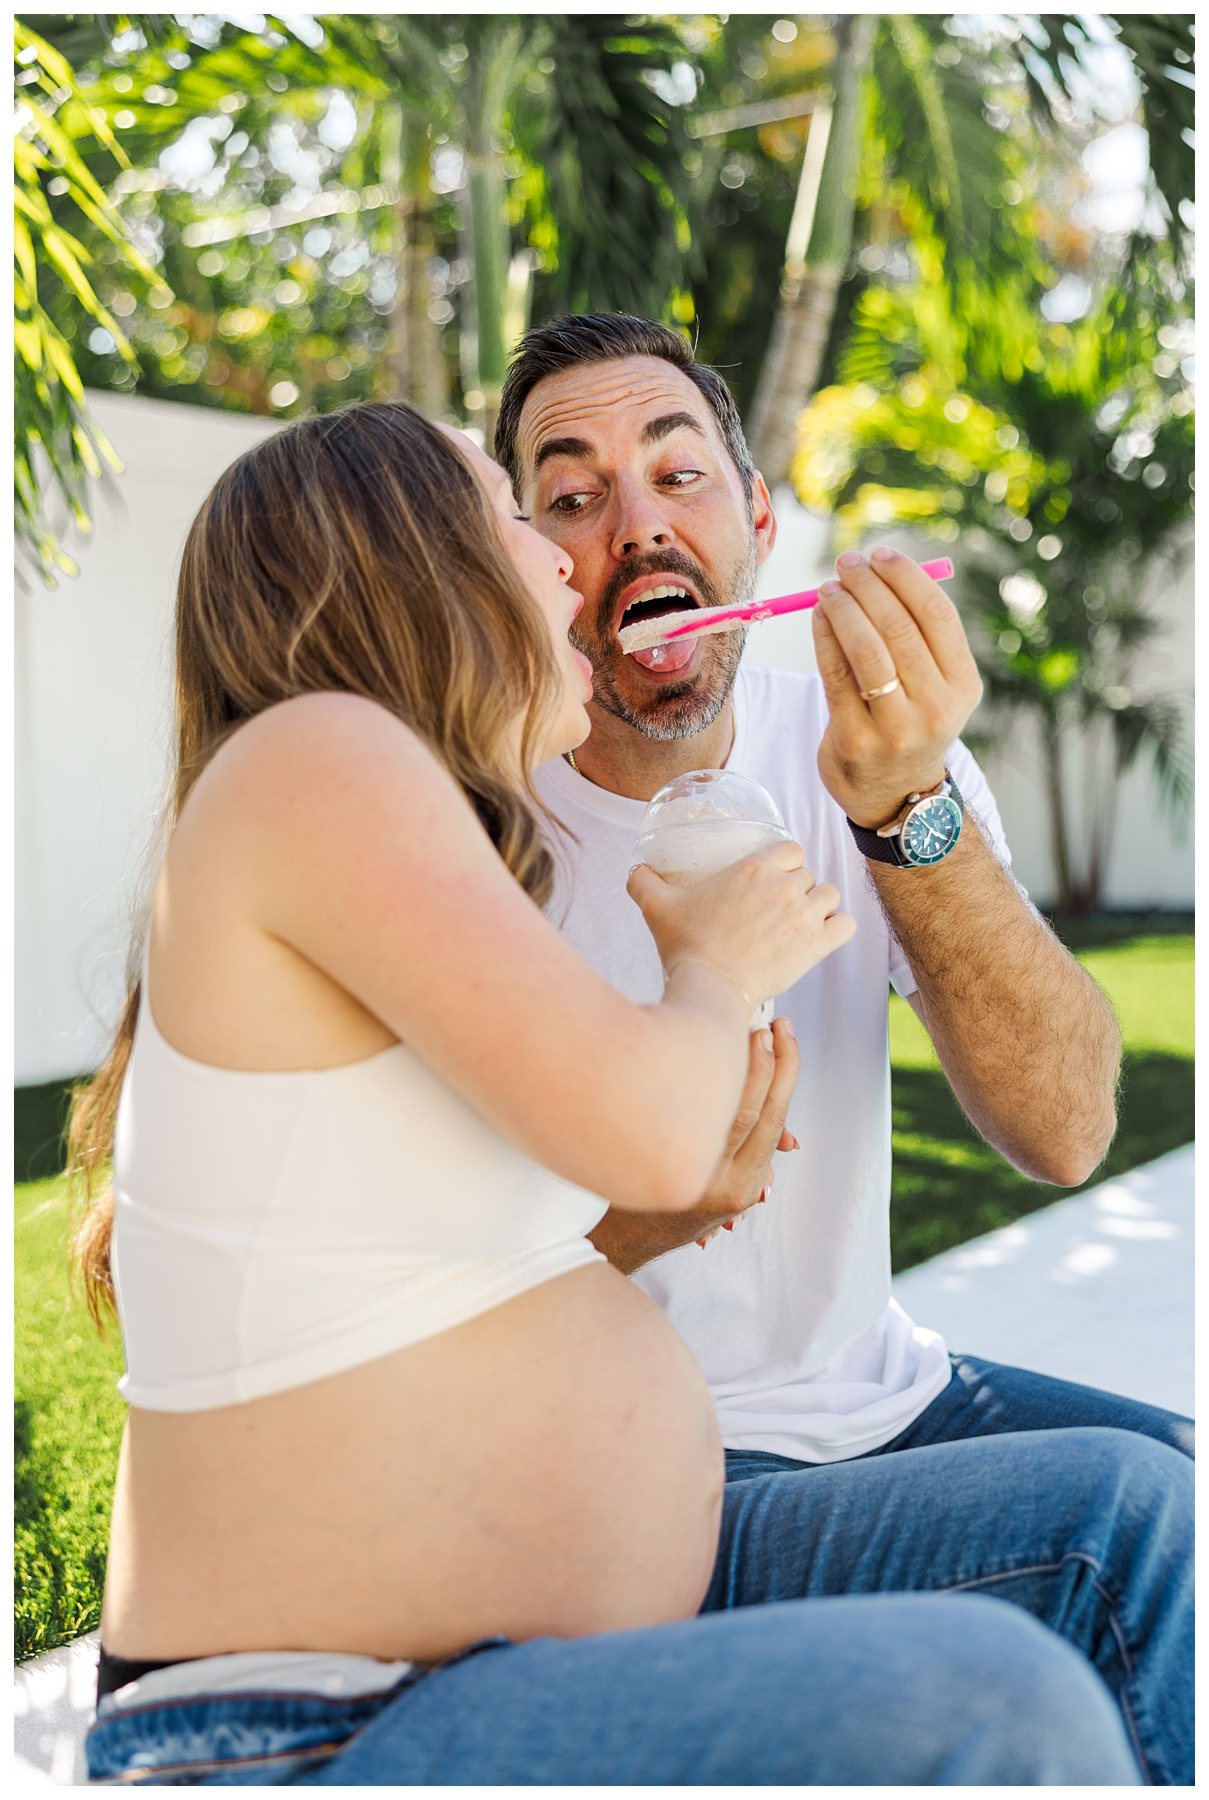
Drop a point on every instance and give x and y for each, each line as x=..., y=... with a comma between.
x=683, y=709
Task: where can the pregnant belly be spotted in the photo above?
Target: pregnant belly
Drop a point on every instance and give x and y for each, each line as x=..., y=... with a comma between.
x=551, y=1468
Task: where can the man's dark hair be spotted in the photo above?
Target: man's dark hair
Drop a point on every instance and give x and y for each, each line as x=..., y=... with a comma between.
x=575, y=338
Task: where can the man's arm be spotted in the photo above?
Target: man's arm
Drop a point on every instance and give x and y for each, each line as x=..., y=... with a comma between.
x=742, y=1178
x=1024, y=1035
x=1026, y=1038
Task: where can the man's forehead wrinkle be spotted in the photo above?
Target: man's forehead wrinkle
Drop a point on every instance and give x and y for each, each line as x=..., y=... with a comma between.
x=566, y=413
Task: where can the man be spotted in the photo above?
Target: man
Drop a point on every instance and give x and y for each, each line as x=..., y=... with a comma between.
x=630, y=455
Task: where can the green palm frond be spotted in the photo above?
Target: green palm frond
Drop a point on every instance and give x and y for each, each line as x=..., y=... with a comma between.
x=165, y=99
x=1159, y=727
x=1161, y=47
x=915, y=54
x=936, y=140
x=59, y=446
x=611, y=204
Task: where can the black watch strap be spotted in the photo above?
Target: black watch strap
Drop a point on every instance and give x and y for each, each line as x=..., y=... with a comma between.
x=885, y=849
x=877, y=849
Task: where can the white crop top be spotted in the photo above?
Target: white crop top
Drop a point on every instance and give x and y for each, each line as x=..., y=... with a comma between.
x=273, y=1228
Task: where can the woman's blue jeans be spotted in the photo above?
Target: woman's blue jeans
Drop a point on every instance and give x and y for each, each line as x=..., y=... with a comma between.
x=1004, y=1610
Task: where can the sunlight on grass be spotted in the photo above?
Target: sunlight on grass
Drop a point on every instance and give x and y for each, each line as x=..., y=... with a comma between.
x=68, y=1425
x=949, y=1187
x=1149, y=981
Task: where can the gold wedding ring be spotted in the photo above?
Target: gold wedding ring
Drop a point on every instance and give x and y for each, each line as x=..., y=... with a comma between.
x=878, y=693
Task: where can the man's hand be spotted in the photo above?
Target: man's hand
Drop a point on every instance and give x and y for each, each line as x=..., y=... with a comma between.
x=884, y=619
x=743, y=1176
x=1026, y=1039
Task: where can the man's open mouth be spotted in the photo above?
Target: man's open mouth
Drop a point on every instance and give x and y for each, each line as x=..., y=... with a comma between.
x=656, y=600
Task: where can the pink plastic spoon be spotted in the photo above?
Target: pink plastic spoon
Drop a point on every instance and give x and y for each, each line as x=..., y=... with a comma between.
x=650, y=632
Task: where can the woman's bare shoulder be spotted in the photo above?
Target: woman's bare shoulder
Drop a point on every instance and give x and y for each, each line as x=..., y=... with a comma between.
x=318, y=726
x=315, y=750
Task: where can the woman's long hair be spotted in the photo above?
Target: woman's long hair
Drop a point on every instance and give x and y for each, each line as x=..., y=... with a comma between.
x=356, y=552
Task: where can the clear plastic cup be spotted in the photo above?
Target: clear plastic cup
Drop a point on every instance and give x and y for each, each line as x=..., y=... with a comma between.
x=704, y=821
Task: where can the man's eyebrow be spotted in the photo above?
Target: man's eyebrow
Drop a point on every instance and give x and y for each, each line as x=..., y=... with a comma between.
x=567, y=446
x=664, y=426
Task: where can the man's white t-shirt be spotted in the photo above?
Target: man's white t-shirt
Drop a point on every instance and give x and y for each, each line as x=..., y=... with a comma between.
x=790, y=1314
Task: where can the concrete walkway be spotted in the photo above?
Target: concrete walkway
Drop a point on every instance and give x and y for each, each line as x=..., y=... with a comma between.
x=1095, y=1289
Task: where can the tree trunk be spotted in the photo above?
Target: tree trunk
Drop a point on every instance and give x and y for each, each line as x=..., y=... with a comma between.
x=808, y=289
x=1059, y=841
x=1101, y=809
x=393, y=377
x=428, y=378
x=414, y=365
x=489, y=238
x=494, y=59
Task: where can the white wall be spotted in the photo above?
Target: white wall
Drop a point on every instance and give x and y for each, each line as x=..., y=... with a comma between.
x=92, y=731
x=1149, y=866
x=92, y=728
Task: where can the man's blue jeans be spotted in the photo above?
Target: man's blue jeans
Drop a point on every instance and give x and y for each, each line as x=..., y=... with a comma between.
x=1073, y=1503
x=868, y=1624
x=984, y=1398
x=923, y=1690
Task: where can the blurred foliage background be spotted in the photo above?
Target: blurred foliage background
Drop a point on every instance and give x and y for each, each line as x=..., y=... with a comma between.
x=945, y=262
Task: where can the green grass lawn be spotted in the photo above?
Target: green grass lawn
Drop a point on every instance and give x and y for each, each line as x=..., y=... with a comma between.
x=67, y=1427
x=948, y=1187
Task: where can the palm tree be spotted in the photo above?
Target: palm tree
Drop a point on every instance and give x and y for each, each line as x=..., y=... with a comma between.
x=564, y=136
x=457, y=74
x=54, y=427
x=926, y=103
x=571, y=107
x=816, y=255
x=1064, y=459
x=413, y=364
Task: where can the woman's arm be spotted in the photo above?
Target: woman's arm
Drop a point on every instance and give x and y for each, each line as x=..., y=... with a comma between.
x=341, y=836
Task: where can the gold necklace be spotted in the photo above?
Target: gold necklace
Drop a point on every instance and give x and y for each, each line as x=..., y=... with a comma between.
x=569, y=755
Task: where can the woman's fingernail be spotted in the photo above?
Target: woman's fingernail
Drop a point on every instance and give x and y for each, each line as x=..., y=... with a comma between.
x=789, y=1028
x=829, y=590
x=766, y=1039
x=795, y=1145
x=850, y=559
x=883, y=553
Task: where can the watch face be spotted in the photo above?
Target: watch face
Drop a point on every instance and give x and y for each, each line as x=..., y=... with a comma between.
x=930, y=831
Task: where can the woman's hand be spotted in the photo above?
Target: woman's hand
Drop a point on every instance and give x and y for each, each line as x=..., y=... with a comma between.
x=762, y=923
x=744, y=1174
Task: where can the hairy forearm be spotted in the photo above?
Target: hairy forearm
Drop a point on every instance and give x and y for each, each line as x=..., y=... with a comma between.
x=1026, y=1038
x=631, y=1239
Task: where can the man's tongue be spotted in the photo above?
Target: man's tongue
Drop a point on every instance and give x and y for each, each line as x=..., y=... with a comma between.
x=667, y=657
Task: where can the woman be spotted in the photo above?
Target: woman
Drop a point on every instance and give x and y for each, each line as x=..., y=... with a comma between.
x=389, y=1407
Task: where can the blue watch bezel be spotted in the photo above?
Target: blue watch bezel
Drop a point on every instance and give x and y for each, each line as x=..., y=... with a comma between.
x=927, y=806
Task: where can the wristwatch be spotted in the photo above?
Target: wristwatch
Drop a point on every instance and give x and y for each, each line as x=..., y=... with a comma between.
x=922, y=834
